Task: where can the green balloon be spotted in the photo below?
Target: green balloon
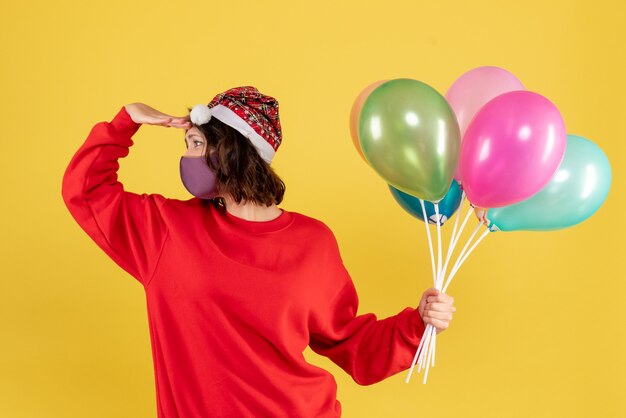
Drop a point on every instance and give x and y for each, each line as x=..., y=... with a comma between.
x=410, y=136
x=574, y=193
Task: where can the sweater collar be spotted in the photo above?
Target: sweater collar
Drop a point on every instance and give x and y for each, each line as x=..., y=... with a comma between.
x=274, y=225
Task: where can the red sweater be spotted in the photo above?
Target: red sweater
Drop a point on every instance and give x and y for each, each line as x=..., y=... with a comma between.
x=232, y=303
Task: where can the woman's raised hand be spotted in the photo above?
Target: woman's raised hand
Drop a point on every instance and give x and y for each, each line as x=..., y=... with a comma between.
x=142, y=113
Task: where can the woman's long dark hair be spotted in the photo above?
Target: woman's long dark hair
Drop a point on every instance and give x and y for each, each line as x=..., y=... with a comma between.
x=241, y=172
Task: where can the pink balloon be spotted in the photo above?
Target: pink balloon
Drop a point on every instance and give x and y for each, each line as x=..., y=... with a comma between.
x=473, y=90
x=511, y=149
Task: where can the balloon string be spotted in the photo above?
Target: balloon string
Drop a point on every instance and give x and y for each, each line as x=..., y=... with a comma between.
x=419, y=347
x=431, y=352
x=439, y=281
x=420, y=360
x=458, y=235
x=432, y=340
x=428, y=351
x=454, y=270
x=429, y=345
x=460, y=257
x=434, y=348
x=467, y=244
x=453, y=237
x=432, y=262
x=442, y=272
x=430, y=242
x=456, y=221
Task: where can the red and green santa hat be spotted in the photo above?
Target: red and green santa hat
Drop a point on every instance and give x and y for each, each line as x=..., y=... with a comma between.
x=250, y=112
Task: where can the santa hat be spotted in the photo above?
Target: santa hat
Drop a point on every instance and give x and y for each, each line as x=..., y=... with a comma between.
x=248, y=111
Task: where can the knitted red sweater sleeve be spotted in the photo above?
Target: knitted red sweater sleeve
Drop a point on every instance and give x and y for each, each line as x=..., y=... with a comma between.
x=367, y=348
x=127, y=226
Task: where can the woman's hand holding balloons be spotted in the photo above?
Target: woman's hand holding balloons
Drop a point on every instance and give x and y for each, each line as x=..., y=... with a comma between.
x=142, y=113
x=436, y=308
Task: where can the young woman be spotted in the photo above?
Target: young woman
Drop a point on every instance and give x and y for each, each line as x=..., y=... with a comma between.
x=236, y=287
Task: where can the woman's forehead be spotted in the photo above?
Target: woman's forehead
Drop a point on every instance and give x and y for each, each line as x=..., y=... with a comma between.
x=193, y=131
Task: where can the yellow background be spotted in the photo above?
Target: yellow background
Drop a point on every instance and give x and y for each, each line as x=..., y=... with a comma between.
x=539, y=330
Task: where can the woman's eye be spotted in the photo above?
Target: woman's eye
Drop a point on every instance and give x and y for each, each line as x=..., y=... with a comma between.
x=197, y=142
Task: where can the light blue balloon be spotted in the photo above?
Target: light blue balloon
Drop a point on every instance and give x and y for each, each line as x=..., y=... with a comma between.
x=447, y=206
x=574, y=193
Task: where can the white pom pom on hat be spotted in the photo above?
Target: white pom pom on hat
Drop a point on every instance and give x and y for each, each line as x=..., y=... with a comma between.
x=200, y=114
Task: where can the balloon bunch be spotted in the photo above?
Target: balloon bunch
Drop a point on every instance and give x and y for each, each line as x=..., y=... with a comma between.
x=490, y=141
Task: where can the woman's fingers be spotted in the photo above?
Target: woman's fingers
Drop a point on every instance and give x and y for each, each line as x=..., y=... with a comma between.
x=438, y=311
x=428, y=293
x=166, y=122
x=164, y=119
x=431, y=300
x=440, y=324
x=181, y=120
x=174, y=122
x=184, y=125
x=442, y=297
x=442, y=307
x=439, y=315
x=436, y=308
x=142, y=113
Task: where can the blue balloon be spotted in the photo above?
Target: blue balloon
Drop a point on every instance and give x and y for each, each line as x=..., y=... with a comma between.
x=447, y=206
